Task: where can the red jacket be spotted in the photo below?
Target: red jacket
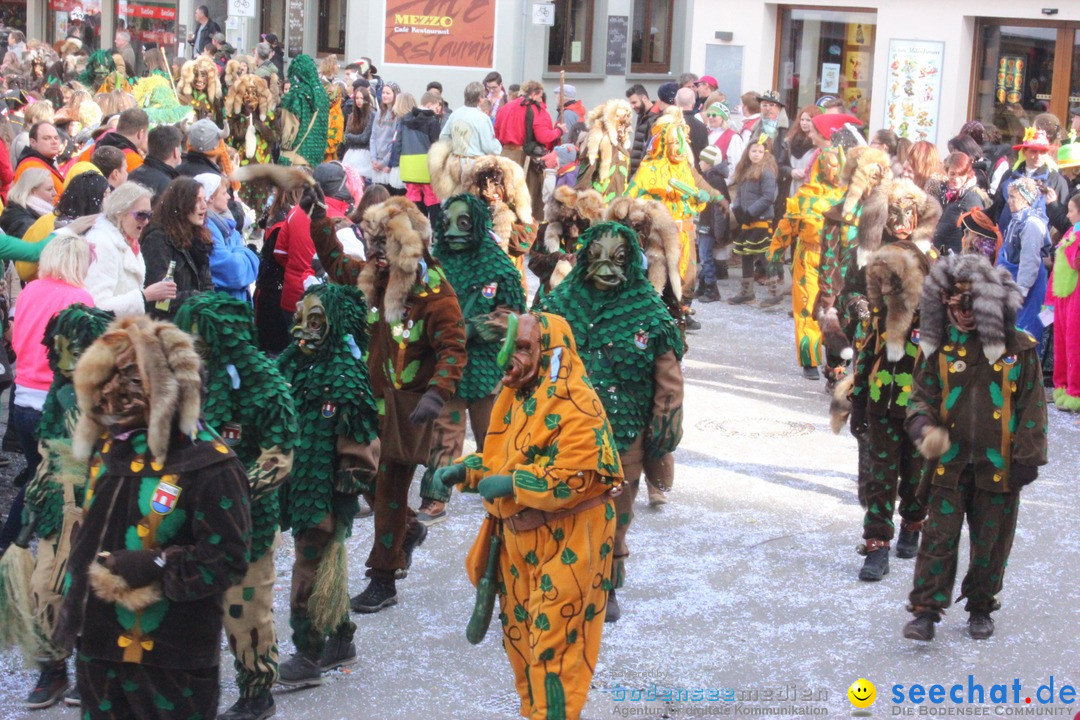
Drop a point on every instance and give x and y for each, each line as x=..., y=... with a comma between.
x=294, y=251
x=7, y=174
x=510, y=125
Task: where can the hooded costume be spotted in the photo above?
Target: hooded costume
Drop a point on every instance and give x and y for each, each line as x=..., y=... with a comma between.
x=500, y=182
x=978, y=416
x=607, y=149
x=555, y=526
x=334, y=461
x=206, y=101
x=248, y=403
x=488, y=289
x=631, y=349
x=568, y=214
x=802, y=226
x=164, y=530
x=55, y=495
x=254, y=129
x=305, y=111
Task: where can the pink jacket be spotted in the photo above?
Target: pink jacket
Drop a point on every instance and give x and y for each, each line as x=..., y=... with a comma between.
x=38, y=302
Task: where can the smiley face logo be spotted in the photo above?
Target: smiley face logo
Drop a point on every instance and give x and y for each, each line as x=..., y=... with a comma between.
x=862, y=693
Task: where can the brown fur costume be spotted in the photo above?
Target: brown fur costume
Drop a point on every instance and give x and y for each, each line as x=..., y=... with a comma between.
x=112, y=588
x=865, y=169
x=568, y=213
x=610, y=128
x=890, y=196
x=408, y=237
x=284, y=177
x=516, y=204
x=186, y=87
x=170, y=371
x=234, y=101
x=234, y=69
x=659, y=238
x=894, y=276
x=446, y=166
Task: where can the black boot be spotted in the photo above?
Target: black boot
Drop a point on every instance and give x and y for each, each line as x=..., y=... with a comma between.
x=907, y=543
x=921, y=628
x=300, y=671
x=50, y=687
x=980, y=625
x=876, y=565
x=613, y=611
x=340, y=650
x=259, y=707
x=379, y=594
x=721, y=270
x=811, y=373
x=414, y=538
x=709, y=293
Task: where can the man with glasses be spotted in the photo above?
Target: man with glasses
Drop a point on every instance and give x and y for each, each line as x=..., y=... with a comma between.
x=494, y=92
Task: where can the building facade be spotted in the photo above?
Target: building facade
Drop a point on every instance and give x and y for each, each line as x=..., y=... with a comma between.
x=921, y=67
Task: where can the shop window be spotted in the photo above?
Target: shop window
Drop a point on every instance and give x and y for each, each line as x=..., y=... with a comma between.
x=332, y=26
x=650, y=48
x=826, y=52
x=76, y=18
x=1025, y=68
x=151, y=25
x=570, y=38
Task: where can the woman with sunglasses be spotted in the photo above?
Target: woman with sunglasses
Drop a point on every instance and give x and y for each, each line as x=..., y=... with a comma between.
x=177, y=234
x=117, y=268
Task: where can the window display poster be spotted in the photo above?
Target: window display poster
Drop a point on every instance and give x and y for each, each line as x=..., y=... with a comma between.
x=443, y=33
x=913, y=90
x=857, y=67
x=858, y=34
x=830, y=77
x=1010, y=78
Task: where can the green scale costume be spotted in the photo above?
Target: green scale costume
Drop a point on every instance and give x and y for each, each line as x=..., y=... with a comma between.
x=248, y=402
x=631, y=348
x=55, y=496
x=339, y=422
x=488, y=287
x=305, y=114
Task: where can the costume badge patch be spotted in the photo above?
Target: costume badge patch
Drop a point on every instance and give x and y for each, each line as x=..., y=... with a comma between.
x=329, y=409
x=915, y=335
x=231, y=433
x=1009, y=360
x=641, y=339
x=490, y=289
x=164, y=498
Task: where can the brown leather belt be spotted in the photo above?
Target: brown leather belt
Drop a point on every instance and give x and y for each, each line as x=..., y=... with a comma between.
x=530, y=518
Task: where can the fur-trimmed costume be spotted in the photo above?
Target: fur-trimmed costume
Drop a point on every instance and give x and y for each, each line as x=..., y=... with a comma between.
x=207, y=100
x=1066, y=300
x=501, y=183
x=631, y=348
x=249, y=405
x=417, y=346
x=977, y=413
x=884, y=367
x=488, y=289
x=610, y=138
x=554, y=441
x=254, y=129
x=568, y=214
x=334, y=461
x=55, y=496
x=802, y=226
x=305, y=111
x=168, y=504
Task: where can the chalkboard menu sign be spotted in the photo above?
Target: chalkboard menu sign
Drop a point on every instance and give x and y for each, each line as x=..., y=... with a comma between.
x=615, y=62
x=296, y=27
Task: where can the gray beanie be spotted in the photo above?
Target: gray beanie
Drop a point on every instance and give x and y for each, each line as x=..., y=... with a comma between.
x=331, y=178
x=204, y=135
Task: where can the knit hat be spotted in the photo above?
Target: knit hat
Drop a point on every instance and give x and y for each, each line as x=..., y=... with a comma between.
x=1068, y=155
x=666, y=92
x=718, y=109
x=710, y=155
x=569, y=92
x=1027, y=189
x=331, y=178
x=210, y=183
x=204, y=135
x=827, y=124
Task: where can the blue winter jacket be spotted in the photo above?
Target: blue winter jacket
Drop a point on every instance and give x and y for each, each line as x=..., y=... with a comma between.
x=233, y=266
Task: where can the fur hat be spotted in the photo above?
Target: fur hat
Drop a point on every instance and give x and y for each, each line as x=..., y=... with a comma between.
x=516, y=204
x=894, y=278
x=996, y=299
x=234, y=101
x=408, y=236
x=565, y=208
x=865, y=170
x=171, y=376
x=658, y=235
x=186, y=87
x=875, y=214
x=605, y=123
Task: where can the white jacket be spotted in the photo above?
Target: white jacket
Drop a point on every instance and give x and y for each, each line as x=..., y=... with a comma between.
x=116, y=274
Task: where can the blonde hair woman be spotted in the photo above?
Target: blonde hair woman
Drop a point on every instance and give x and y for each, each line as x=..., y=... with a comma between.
x=32, y=196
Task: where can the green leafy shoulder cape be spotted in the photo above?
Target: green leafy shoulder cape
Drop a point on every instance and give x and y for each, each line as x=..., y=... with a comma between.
x=484, y=278
x=80, y=325
x=331, y=390
x=245, y=398
x=619, y=333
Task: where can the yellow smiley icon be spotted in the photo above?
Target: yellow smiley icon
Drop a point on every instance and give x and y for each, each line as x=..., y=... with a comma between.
x=862, y=693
